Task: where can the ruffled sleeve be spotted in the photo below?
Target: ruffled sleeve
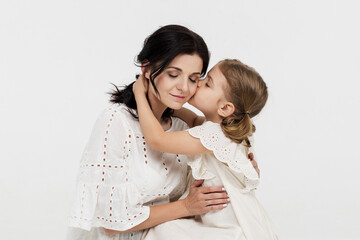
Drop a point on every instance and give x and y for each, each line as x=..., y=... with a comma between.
x=226, y=151
x=105, y=195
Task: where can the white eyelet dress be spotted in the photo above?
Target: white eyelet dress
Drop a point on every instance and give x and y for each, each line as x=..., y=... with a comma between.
x=244, y=217
x=120, y=177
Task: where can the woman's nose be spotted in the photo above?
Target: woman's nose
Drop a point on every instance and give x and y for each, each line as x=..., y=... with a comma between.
x=183, y=85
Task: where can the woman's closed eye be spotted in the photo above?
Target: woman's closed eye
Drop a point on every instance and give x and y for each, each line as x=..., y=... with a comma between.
x=193, y=80
x=173, y=76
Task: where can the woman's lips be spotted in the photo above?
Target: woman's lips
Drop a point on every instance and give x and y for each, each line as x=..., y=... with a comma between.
x=178, y=97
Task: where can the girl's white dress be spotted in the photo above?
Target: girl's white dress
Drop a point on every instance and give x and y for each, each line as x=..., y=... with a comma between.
x=244, y=217
x=120, y=177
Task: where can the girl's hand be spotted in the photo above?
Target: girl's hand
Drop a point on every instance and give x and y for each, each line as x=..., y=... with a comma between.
x=140, y=86
x=204, y=199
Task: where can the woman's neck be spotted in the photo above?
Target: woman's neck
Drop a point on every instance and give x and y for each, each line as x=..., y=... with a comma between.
x=157, y=107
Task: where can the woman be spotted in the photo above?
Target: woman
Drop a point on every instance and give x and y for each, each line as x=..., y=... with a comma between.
x=125, y=187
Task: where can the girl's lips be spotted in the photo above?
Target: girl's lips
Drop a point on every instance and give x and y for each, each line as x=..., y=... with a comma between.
x=178, y=97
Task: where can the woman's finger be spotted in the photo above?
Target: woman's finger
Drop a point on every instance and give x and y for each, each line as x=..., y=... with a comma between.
x=210, y=196
x=215, y=207
x=212, y=189
x=256, y=167
x=146, y=83
x=197, y=183
x=217, y=202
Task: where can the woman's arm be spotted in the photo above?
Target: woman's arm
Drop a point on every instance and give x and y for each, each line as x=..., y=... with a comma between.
x=199, y=201
x=180, y=142
x=188, y=116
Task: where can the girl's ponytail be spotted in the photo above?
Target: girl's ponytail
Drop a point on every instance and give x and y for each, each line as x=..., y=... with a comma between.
x=238, y=128
x=248, y=92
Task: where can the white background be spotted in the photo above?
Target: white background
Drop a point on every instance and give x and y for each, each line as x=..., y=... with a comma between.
x=57, y=59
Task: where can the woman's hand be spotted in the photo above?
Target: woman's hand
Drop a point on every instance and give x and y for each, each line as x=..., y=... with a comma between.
x=254, y=163
x=204, y=199
x=140, y=86
x=110, y=231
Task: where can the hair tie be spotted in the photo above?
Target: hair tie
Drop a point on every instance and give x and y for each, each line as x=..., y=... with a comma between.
x=245, y=113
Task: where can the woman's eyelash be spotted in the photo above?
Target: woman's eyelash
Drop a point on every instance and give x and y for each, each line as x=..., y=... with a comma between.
x=175, y=76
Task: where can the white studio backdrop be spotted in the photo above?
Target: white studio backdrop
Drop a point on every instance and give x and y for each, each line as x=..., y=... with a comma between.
x=58, y=58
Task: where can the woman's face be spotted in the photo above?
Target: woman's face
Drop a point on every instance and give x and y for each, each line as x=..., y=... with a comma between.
x=178, y=82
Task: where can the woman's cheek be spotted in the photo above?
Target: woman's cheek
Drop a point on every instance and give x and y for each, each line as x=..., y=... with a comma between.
x=192, y=90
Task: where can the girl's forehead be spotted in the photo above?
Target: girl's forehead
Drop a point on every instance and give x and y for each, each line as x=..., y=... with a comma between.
x=215, y=73
x=215, y=69
x=217, y=77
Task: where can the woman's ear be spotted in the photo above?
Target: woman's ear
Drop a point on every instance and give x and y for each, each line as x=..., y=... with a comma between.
x=226, y=109
x=145, y=70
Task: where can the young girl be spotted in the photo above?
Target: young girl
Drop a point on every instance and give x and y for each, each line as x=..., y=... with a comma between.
x=230, y=95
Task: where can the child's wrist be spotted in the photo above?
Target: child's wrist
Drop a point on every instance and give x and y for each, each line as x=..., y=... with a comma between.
x=140, y=97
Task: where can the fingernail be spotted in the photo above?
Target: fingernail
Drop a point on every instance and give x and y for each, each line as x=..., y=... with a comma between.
x=228, y=199
x=225, y=205
x=223, y=189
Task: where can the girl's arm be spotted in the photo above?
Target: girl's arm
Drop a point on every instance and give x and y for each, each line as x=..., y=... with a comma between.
x=180, y=142
x=188, y=116
x=199, y=201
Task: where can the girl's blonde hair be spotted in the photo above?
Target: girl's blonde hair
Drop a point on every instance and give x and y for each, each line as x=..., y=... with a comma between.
x=248, y=92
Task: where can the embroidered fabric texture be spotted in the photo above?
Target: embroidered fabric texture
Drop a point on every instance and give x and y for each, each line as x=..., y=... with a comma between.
x=226, y=151
x=105, y=173
x=120, y=177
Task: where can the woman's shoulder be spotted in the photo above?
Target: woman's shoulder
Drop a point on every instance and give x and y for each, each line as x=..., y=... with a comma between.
x=117, y=115
x=116, y=111
x=178, y=124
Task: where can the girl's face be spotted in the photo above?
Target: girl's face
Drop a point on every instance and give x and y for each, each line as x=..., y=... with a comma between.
x=210, y=94
x=178, y=82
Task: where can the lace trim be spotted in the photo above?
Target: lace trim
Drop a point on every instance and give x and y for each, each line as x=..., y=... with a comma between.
x=226, y=151
x=198, y=169
x=119, y=213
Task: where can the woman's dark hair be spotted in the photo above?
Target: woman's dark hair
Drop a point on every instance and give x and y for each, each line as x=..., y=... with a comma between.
x=160, y=48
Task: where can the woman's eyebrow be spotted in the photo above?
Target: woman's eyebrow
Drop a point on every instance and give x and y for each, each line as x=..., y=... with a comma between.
x=180, y=70
x=196, y=73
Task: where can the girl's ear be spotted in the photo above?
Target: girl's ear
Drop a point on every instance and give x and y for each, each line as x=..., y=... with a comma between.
x=145, y=70
x=226, y=109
